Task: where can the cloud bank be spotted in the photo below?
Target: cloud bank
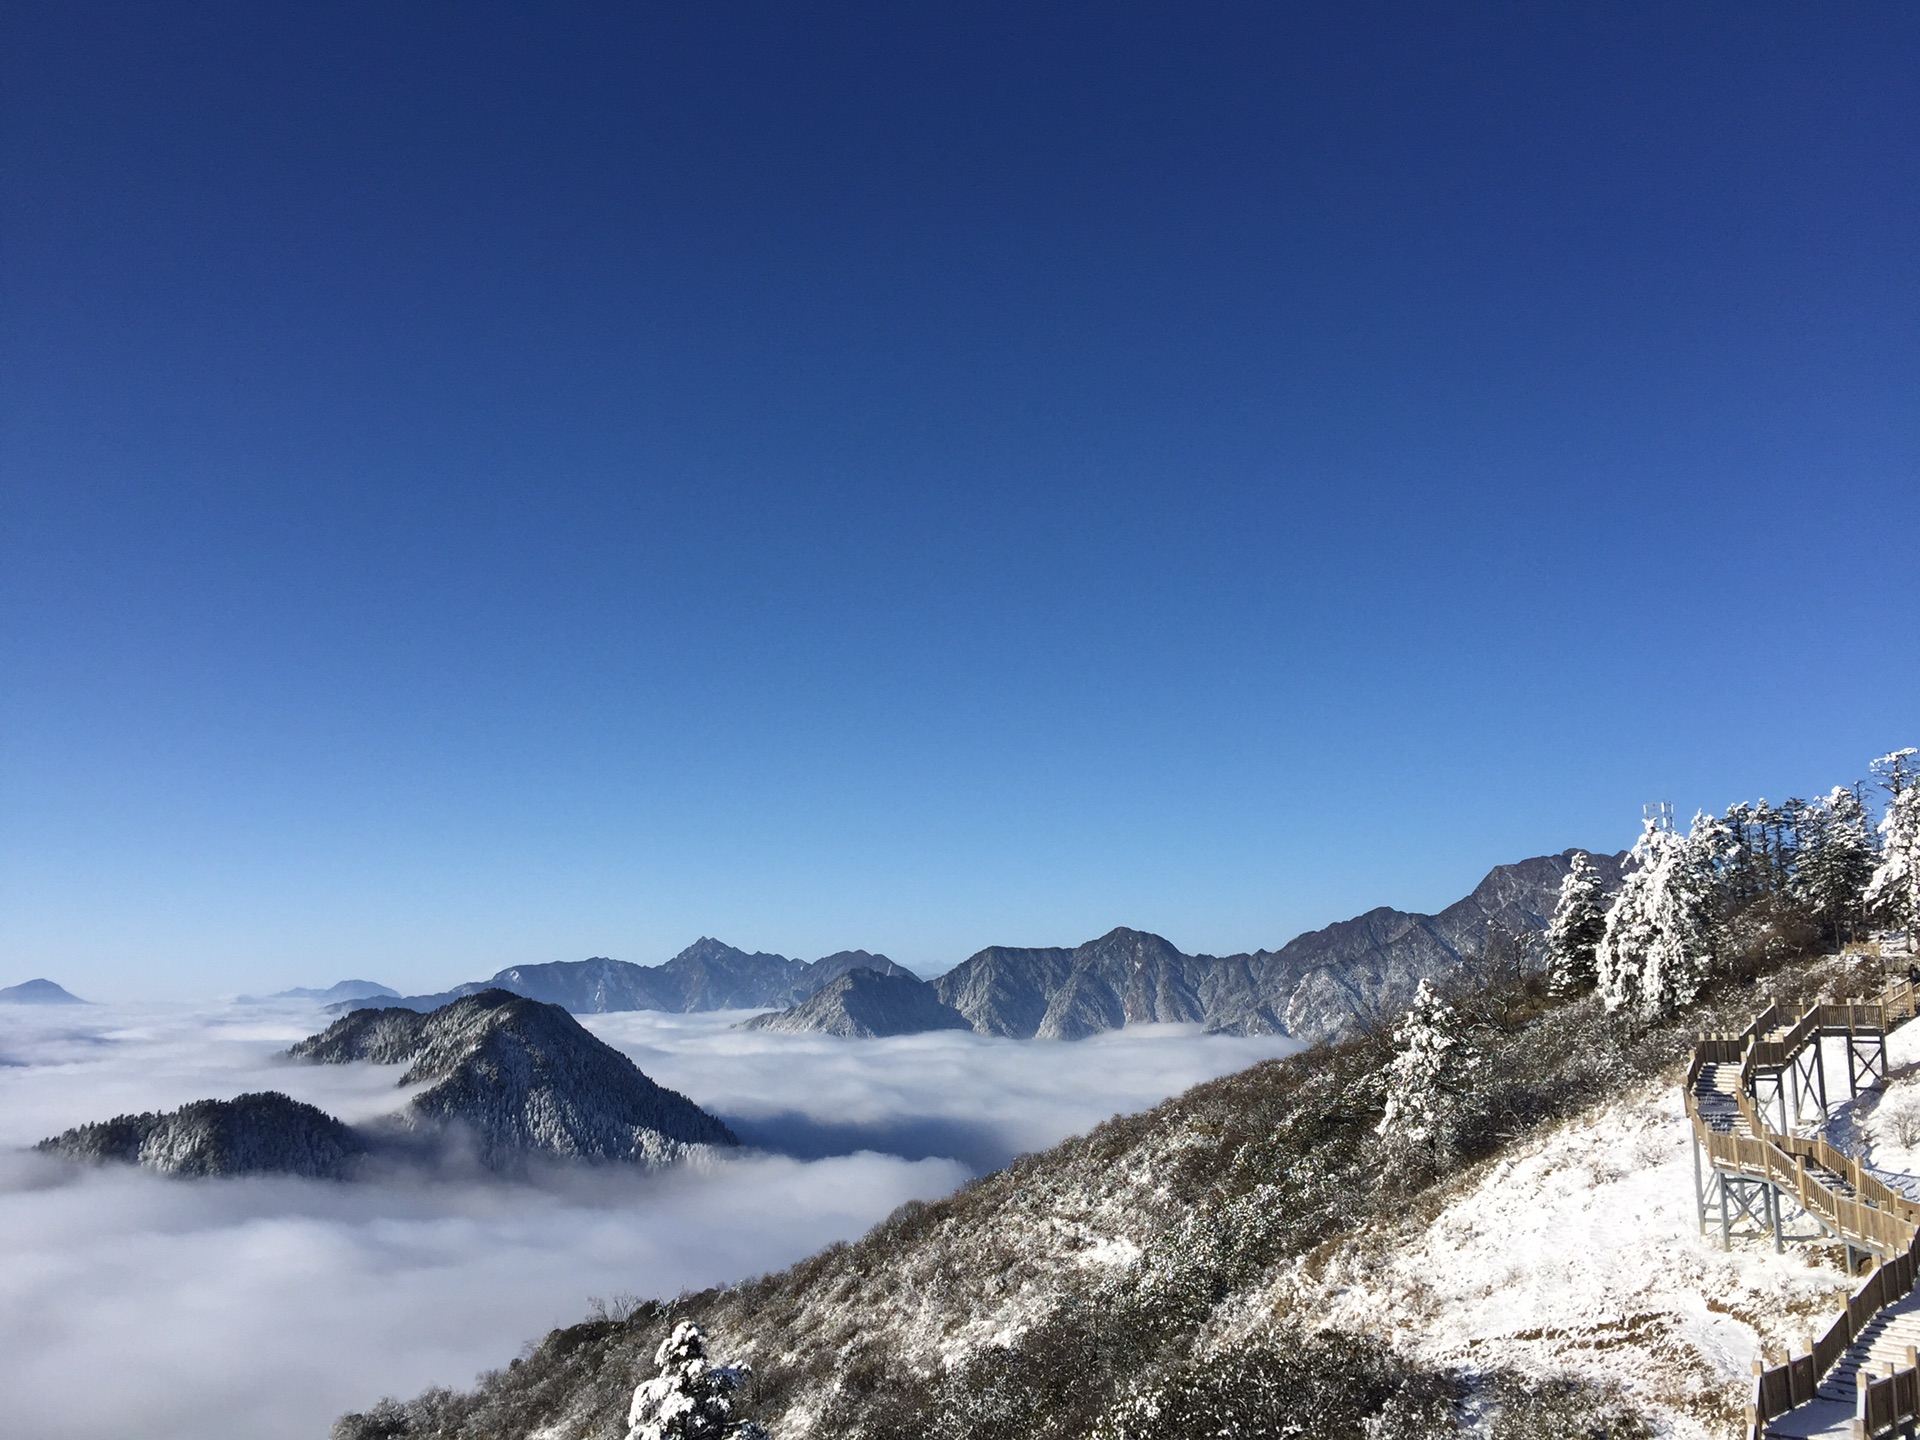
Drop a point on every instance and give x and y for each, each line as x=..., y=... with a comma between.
x=261, y=1308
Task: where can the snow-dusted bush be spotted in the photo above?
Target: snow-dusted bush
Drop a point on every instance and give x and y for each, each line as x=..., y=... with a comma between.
x=690, y=1399
x=1900, y=1120
x=1289, y=1385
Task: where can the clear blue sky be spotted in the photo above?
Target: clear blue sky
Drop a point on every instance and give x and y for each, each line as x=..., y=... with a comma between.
x=487, y=483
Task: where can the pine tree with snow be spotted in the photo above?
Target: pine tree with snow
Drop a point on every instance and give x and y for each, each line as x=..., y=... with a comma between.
x=690, y=1399
x=1836, y=861
x=1579, y=920
x=1893, y=891
x=1663, y=929
x=1430, y=1081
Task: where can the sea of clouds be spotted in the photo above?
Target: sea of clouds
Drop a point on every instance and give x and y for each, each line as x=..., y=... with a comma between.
x=261, y=1308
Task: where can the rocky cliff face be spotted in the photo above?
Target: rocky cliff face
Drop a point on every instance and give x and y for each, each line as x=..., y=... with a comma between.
x=1318, y=986
x=520, y=1077
x=253, y=1134
x=864, y=1004
x=708, y=975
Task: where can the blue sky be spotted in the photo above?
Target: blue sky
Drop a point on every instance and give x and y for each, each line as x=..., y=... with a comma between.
x=487, y=484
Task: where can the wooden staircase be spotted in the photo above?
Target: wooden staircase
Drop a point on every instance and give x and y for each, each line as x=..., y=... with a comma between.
x=1862, y=1379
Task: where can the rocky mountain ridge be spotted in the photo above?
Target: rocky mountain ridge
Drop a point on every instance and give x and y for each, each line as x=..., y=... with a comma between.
x=865, y=1004
x=1322, y=985
x=708, y=975
x=1325, y=983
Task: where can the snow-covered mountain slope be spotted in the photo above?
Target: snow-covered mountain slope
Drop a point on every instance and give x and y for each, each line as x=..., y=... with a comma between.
x=517, y=1078
x=1257, y=1235
x=262, y=1133
x=1576, y=1252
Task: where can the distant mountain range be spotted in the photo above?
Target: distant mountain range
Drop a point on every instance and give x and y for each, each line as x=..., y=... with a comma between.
x=507, y=1080
x=38, y=992
x=1318, y=986
x=707, y=975
x=333, y=994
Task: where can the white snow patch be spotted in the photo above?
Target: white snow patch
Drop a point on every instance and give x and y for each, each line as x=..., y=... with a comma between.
x=1579, y=1253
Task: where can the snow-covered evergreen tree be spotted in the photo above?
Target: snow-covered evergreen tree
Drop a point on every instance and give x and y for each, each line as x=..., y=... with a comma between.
x=690, y=1399
x=1579, y=920
x=1663, y=928
x=1430, y=1080
x=1836, y=861
x=1893, y=891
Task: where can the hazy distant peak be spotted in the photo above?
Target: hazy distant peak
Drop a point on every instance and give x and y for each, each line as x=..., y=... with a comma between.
x=340, y=990
x=38, y=992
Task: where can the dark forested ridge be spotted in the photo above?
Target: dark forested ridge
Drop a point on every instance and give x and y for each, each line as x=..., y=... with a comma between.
x=261, y=1133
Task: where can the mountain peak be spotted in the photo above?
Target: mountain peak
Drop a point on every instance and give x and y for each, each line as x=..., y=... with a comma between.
x=38, y=992
x=520, y=1077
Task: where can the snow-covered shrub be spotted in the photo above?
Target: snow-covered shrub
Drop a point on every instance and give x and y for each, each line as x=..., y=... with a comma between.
x=1288, y=1385
x=689, y=1399
x=1526, y=1408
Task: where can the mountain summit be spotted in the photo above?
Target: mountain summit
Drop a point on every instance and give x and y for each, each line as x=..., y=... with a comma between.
x=38, y=992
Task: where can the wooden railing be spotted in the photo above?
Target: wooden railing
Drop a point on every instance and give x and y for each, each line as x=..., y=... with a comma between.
x=1878, y=1218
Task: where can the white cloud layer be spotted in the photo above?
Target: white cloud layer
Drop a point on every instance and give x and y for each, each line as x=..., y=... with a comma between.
x=261, y=1308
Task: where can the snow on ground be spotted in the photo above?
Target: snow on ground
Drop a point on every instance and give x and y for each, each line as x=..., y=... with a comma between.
x=1578, y=1252
x=1882, y=1127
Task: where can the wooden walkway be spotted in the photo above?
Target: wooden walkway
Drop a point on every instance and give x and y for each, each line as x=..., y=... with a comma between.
x=1745, y=1094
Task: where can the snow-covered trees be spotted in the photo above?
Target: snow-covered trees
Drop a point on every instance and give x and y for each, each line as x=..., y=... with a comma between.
x=1893, y=891
x=1430, y=1080
x=1579, y=920
x=1835, y=861
x=1663, y=928
x=689, y=1399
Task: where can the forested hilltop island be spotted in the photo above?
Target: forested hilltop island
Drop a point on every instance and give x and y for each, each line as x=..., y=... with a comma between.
x=1479, y=1217
x=507, y=1082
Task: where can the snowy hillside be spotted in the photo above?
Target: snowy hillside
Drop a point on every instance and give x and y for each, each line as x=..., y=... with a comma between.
x=1577, y=1252
x=1216, y=1234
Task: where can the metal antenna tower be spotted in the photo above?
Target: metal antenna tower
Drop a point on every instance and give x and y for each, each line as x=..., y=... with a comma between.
x=1658, y=814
